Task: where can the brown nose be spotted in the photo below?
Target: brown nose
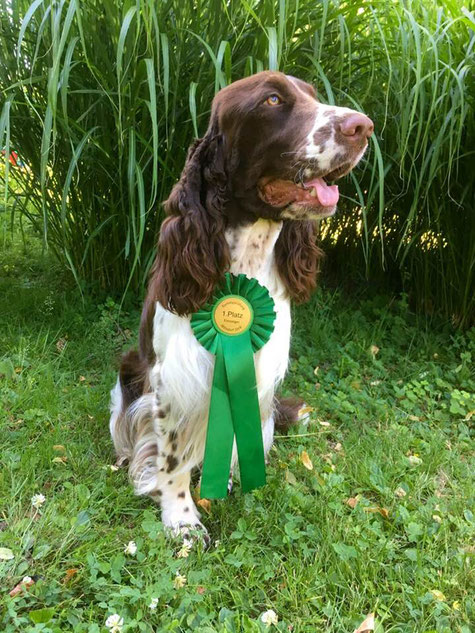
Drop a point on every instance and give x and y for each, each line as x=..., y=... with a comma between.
x=356, y=126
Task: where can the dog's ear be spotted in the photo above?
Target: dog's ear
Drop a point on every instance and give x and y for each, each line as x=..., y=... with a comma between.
x=298, y=258
x=192, y=250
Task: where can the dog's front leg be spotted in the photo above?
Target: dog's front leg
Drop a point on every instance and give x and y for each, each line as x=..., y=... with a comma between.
x=172, y=488
x=173, y=494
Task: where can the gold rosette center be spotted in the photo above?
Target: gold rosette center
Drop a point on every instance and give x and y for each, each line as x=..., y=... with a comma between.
x=232, y=315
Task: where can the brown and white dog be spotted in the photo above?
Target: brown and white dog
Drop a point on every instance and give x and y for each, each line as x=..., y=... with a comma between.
x=247, y=202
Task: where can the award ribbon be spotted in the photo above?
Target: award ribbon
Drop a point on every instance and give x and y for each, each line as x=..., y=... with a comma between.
x=239, y=322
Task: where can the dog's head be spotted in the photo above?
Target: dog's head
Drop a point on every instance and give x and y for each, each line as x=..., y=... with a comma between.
x=270, y=151
x=283, y=147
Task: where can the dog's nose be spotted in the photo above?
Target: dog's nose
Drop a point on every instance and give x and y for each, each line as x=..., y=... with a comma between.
x=356, y=126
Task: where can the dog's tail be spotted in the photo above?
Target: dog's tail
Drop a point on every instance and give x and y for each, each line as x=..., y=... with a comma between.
x=287, y=412
x=132, y=377
x=129, y=402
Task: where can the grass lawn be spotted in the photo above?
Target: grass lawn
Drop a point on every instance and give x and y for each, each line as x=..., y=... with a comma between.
x=378, y=518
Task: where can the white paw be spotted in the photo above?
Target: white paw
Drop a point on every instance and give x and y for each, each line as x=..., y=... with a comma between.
x=189, y=534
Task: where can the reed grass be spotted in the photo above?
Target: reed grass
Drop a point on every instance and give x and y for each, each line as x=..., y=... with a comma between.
x=101, y=100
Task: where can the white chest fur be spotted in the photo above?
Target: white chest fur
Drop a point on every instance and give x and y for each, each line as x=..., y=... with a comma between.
x=183, y=371
x=252, y=253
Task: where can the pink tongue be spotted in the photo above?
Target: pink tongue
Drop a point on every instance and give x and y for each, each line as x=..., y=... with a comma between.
x=327, y=195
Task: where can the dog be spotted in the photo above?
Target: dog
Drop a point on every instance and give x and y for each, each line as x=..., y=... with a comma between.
x=248, y=201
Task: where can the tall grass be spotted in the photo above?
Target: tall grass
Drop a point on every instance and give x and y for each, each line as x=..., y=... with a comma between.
x=102, y=98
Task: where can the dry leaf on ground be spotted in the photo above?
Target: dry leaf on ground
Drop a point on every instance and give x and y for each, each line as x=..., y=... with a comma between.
x=353, y=501
x=366, y=625
x=306, y=461
x=205, y=504
x=377, y=510
x=25, y=583
x=61, y=344
x=70, y=573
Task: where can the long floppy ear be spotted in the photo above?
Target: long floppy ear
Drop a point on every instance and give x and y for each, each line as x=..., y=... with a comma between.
x=192, y=251
x=298, y=258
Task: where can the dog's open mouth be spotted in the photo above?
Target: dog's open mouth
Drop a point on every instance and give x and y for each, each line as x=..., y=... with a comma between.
x=311, y=192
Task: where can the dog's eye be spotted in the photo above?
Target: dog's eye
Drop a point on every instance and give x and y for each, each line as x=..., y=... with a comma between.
x=273, y=100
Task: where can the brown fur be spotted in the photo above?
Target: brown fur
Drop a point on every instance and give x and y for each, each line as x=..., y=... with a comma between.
x=298, y=257
x=133, y=377
x=286, y=413
x=192, y=251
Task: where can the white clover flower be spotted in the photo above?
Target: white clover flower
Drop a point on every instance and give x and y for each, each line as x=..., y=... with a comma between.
x=130, y=549
x=217, y=543
x=115, y=623
x=153, y=604
x=400, y=492
x=180, y=581
x=269, y=617
x=414, y=460
x=37, y=501
x=185, y=550
x=27, y=580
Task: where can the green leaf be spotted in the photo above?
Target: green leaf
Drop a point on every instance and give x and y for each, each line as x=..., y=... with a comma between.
x=82, y=518
x=41, y=551
x=345, y=552
x=414, y=531
x=40, y=616
x=6, y=554
x=117, y=564
x=411, y=554
x=6, y=368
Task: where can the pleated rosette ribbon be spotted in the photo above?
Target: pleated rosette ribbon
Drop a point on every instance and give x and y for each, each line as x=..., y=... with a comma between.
x=235, y=325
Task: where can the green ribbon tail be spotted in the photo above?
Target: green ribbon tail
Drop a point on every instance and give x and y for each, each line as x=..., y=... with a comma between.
x=241, y=375
x=219, y=435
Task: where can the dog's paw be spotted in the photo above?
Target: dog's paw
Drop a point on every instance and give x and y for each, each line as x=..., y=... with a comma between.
x=189, y=535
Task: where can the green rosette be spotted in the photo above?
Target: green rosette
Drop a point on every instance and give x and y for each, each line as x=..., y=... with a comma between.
x=237, y=323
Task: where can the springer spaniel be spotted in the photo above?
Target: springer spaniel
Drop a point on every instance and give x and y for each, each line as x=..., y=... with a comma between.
x=247, y=202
